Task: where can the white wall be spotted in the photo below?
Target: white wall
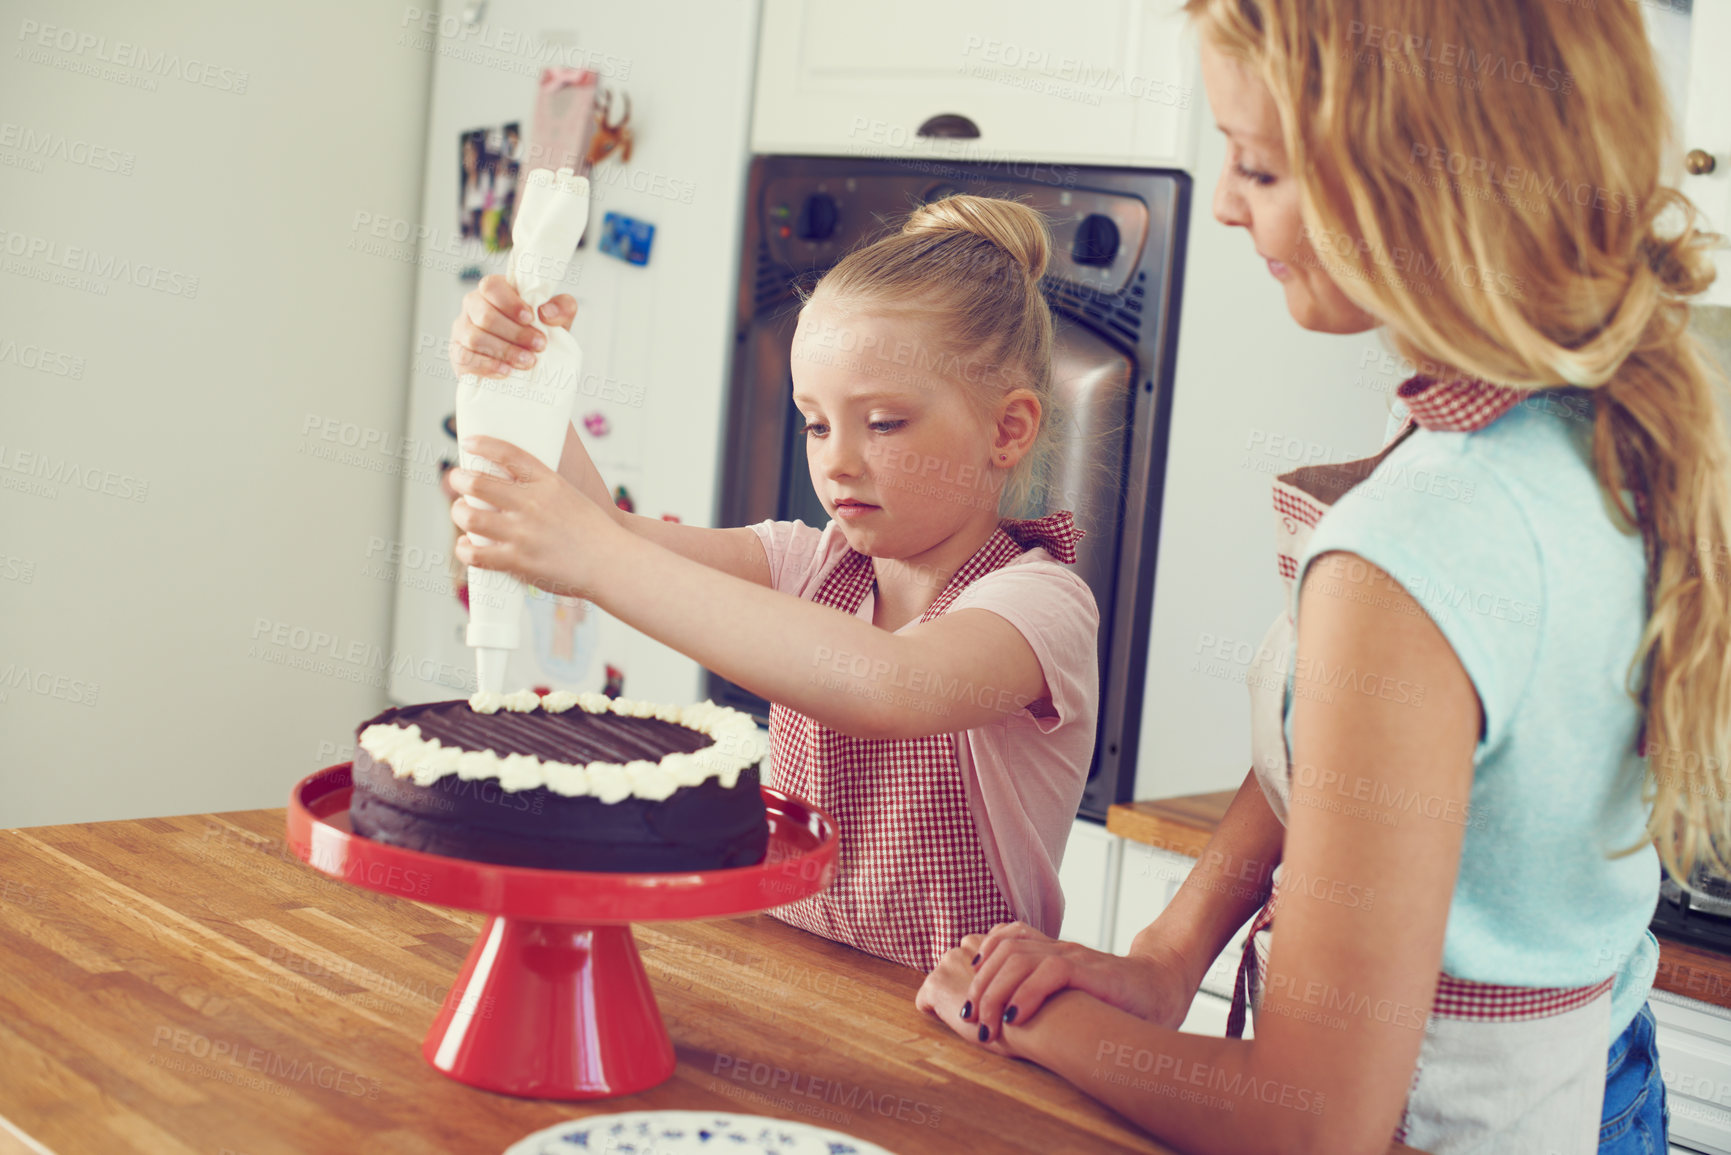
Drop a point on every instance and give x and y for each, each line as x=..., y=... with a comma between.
x=1250, y=387
x=204, y=397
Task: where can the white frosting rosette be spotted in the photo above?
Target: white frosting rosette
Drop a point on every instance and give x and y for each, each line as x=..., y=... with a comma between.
x=736, y=744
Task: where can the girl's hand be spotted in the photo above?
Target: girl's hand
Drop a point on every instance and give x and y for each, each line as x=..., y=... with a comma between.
x=541, y=528
x=945, y=994
x=493, y=335
x=1017, y=969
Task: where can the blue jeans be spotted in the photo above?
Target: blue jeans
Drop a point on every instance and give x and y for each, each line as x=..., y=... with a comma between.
x=1636, y=1119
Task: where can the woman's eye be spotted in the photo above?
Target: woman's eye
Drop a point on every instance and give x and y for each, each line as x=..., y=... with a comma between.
x=1250, y=174
x=814, y=428
x=887, y=426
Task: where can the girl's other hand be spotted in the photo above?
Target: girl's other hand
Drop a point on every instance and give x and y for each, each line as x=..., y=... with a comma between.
x=1016, y=969
x=492, y=334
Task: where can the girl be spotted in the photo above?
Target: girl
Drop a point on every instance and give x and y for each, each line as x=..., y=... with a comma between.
x=931, y=664
x=1496, y=618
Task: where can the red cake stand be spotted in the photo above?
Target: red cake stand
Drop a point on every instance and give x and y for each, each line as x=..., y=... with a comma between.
x=552, y=1002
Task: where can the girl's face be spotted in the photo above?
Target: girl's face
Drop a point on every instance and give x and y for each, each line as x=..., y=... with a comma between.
x=897, y=455
x=1257, y=192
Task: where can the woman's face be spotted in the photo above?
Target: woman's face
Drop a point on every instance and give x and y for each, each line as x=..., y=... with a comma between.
x=1258, y=193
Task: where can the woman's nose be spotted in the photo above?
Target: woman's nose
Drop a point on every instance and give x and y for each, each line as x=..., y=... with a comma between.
x=1229, y=207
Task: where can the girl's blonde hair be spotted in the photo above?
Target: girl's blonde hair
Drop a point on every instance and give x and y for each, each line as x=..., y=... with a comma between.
x=1486, y=178
x=968, y=269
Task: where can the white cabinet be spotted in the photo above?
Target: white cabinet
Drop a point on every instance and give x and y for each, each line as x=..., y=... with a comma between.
x=1107, y=82
x=1089, y=877
x=1707, y=127
x=1147, y=880
x=1695, y=1060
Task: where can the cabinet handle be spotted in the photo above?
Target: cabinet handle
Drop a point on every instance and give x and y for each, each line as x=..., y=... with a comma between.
x=951, y=125
x=1699, y=162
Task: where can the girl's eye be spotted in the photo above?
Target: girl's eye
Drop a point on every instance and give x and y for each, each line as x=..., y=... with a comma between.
x=887, y=426
x=1250, y=174
x=814, y=428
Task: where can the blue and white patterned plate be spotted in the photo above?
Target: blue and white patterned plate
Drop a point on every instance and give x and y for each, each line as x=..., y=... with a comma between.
x=683, y=1132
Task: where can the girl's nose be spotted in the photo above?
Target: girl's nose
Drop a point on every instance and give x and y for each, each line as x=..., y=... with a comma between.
x=842, y=456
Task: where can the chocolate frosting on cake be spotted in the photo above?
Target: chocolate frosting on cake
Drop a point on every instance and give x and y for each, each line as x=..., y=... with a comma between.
x=572, y=736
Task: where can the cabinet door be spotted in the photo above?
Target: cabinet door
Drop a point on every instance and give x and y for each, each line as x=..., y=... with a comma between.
x=1147, y=880
x=1707, y=127
x=1087, y=877
x=1694, y=1040
x=1107, y=82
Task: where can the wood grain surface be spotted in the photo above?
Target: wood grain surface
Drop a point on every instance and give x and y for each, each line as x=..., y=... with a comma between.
x=185, y=985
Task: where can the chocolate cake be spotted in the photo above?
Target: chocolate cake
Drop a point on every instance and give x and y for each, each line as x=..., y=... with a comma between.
x=567, y=781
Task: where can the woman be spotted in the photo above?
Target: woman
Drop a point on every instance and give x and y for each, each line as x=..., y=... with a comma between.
x=1496, y=617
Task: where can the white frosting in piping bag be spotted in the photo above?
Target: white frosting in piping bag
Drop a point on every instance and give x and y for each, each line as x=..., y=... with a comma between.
x=737, y=744
x=530, y=408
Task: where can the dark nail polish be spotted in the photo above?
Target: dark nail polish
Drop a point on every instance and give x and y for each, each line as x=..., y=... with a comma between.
x=976, y=961
x=985, y=1032
x=1010, y=1015
x=968, y=1009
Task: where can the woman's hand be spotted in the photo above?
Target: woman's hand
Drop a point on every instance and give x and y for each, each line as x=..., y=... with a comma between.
x=493, y=334
x=1017, y=969
x=945, y=994
x=541, y=529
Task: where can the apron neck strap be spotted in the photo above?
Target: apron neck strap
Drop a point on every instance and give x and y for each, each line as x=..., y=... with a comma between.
x=1057, y=532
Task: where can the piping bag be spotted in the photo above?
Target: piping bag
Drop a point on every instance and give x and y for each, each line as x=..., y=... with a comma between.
x=529, y=408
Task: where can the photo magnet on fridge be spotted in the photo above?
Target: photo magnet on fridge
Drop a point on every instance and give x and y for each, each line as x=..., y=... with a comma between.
x=626, y=239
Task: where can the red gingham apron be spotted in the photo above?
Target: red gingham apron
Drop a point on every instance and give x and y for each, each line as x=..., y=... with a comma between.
x=1301, y=497
x=913, y=879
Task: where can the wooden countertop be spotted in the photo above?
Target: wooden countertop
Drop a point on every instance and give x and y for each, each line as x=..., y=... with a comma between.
x=133, y=953
x=1184, y=825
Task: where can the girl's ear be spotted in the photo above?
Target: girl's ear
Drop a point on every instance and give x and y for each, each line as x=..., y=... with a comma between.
x=1018, y=424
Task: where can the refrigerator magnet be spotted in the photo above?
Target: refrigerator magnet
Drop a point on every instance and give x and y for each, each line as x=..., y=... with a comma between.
x=627, y=239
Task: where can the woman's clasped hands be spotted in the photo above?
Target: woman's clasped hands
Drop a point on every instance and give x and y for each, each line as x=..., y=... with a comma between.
x=1003, y=978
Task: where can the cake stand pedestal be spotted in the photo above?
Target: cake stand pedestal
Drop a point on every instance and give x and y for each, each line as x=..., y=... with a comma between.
x=553, y=1002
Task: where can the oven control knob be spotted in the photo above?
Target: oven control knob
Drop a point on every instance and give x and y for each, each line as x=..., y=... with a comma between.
x=1096, y=240
x=817, y=217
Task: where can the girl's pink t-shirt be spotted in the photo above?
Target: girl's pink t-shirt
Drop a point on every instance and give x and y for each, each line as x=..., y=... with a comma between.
x=1024, y=775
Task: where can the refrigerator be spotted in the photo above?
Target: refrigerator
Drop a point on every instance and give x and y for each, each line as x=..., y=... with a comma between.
x=657, y=336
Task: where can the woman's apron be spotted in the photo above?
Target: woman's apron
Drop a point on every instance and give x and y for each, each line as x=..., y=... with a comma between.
x=913, y=879
x=1501, y=1069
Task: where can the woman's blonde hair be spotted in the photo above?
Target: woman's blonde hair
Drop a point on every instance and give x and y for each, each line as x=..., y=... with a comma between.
x=1487, y=179
x=967, y=268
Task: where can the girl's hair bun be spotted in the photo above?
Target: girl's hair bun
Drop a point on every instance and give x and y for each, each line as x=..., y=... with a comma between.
x=1015, y=228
